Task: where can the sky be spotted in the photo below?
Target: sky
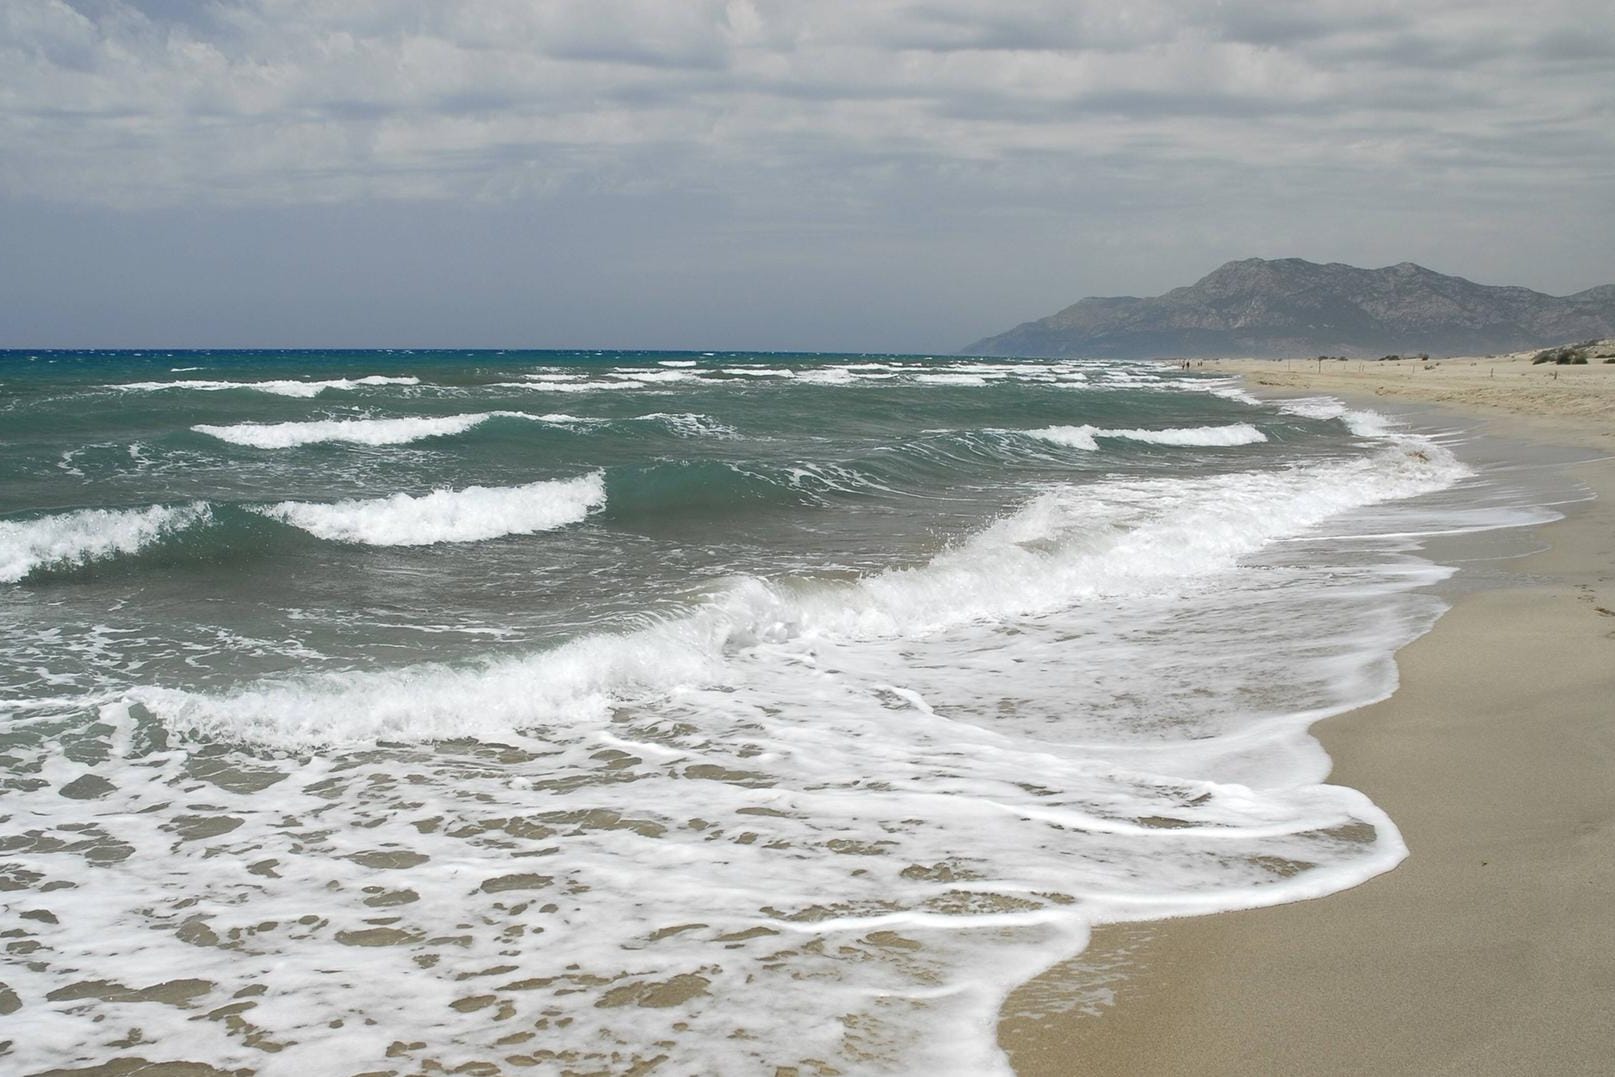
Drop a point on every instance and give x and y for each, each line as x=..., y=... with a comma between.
x=834, y=175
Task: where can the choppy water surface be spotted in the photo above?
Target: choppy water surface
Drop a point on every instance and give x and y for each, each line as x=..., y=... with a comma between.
x=608, y=712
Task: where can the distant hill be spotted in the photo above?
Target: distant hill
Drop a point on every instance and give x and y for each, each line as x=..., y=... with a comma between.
x=1288, y=306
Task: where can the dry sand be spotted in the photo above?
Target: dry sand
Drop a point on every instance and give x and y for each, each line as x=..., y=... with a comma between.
x=1491, y=950
x=1573, y=404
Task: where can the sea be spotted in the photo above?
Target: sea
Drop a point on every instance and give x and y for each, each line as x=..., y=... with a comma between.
x=676, y=712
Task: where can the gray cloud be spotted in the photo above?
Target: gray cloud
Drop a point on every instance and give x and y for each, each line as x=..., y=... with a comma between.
x=116, y=102
x=1056, y=142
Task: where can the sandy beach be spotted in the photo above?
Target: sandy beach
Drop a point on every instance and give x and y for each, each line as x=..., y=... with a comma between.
x=1491, y=949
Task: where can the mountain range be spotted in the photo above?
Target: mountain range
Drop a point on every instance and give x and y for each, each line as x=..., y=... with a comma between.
x=1289, y=306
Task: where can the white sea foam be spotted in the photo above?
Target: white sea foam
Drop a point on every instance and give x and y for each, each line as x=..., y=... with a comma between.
x=690, y=424
x=469, y=515
x=822, y=822
x=278, y=388
x=1360, y=421
x=653, y=377
x=1067, y=545
x=995, y=368
x=1072, y=437
x=404, y=431
x=873, y=804
x=774, y=739
x=78, y=538
x=352, y=431
x=568, y=386
x=676, y=362
x=1369, y=424
x=832, y=375
x=975, y=380
x=1084, y=437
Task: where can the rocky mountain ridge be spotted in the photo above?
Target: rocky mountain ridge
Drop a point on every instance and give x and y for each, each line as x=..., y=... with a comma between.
x=1289, y=306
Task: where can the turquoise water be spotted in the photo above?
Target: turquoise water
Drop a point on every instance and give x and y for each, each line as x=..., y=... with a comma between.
x=371, y=711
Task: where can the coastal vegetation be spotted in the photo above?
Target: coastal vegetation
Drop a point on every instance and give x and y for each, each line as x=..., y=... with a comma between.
x=1577, y=354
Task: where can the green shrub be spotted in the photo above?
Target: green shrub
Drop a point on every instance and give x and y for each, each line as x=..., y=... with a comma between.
x=1569, y=353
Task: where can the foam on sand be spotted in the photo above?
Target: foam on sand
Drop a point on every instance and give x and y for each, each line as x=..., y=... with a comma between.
x=469, y=515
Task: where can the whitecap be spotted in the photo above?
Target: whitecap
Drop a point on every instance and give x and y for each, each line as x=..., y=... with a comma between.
x=472, y=514
x=952, y=379
x=653, y=376
x=1069, y=544
x=567, y=386
x=352, y=431
x=78, y=538
x=835, y=375
x=1083, y=437
x=278, y=388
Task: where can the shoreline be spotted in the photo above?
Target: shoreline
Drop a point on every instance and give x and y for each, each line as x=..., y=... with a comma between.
x=1491, y=949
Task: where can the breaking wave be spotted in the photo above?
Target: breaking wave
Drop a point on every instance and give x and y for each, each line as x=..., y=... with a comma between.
x=75, y=539
x=379, y=432
x=1066, y=545
x=473, y=514
x=1085, y=437
x=351, y=431
x=279, y=387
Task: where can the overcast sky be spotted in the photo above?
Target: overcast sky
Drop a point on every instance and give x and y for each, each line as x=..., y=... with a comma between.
x=826, y=175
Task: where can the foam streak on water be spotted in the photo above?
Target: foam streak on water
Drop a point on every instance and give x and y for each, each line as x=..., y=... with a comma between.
x=759, y=712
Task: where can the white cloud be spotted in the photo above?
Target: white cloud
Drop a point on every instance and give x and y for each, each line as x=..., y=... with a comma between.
x=137, y=102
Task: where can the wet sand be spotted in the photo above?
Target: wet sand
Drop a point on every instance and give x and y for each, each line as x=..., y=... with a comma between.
x=1491, y=949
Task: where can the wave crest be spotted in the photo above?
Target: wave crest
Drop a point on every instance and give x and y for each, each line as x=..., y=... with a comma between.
x=352, y=431
x=1066, y=545
x=73, y=539
x=285, y=387
x=473, y=514
x=1084, y=437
